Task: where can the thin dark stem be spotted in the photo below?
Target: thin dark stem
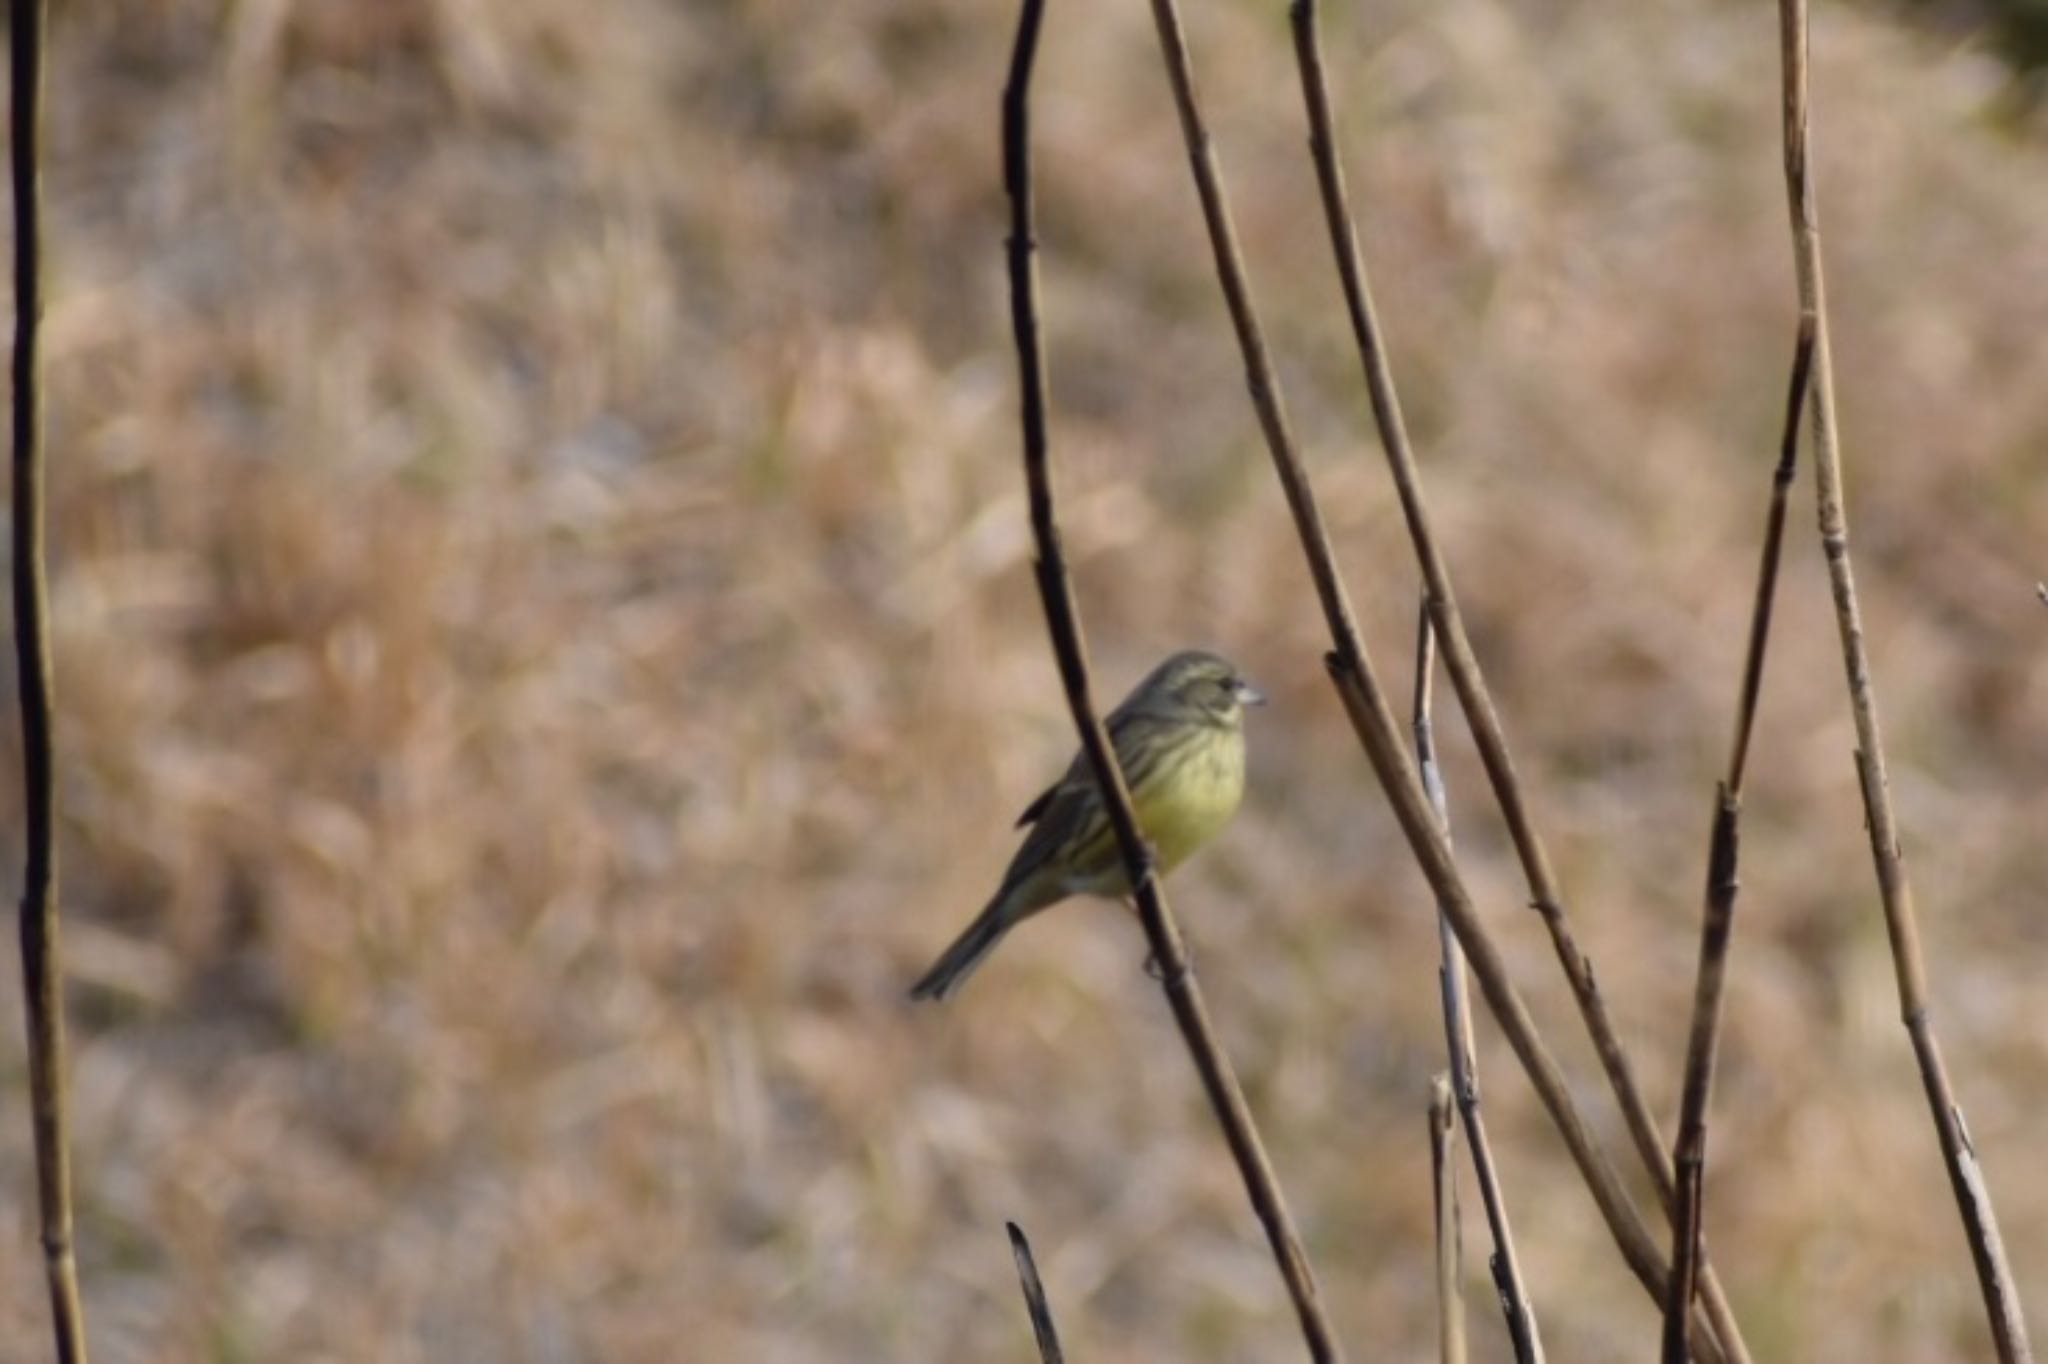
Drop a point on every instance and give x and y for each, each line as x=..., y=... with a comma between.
x=1462, y=663
x=1774, y=542
x=1457, y=1008
x=1691, y=1155
x=1717, y=922
x=1169, y=952
x=1042, y=1328
x=1365, y=702
x=1450, y=1293
x=41, y=956
x=1966, y=1175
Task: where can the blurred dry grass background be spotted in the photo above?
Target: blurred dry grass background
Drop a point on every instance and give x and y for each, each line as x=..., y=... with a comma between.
x=545, y=652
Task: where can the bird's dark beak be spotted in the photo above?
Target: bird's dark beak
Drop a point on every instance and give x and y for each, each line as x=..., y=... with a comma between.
x=1248, y=695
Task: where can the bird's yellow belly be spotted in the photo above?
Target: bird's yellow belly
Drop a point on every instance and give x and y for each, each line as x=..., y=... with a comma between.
x=1179, y=812
x=1197, y=807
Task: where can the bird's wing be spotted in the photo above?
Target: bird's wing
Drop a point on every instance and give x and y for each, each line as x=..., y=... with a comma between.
x=1067, y=819
x=1078, y=781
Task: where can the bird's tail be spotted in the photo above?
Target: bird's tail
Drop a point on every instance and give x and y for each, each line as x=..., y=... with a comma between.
x=968, y=951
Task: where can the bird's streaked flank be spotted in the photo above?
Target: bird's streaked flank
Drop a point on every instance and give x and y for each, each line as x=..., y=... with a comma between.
x=1179, y=737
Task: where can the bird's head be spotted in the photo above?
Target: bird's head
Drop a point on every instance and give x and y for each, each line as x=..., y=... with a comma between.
x=1202, y=684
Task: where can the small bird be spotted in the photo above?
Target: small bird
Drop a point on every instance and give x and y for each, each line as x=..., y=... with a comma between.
x=1179, y=737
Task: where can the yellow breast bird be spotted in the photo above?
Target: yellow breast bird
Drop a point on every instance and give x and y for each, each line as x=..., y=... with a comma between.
x=1179, y=737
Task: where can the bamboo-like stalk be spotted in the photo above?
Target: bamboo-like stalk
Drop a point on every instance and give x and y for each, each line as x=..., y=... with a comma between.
x=1365, y=702
x=1966, y=1174
x=1717, y=922
x=1460, y=660
x=1042, y=1329
x=42, y=967
x=1505, y=1265
x=1450, y=1270
x=1169, y=952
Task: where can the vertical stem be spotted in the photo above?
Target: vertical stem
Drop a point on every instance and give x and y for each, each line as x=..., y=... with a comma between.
x=1462, y=663
x=1966, y=1175
x=1688, y=1246
x=1691, y=1154
x=1169, y=951
x=1457, y=1007
x=41, y=957
x=1450, y=1294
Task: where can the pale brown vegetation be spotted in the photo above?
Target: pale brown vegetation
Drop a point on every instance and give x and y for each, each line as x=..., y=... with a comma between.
x=546, y=647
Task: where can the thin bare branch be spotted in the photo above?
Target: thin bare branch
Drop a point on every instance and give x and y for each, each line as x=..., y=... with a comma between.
x=1365, y=701
x=1966, y=1176
x=1772, y=552
x=1462, y=663
x=1034, y=1298
x=1450, y=1270
x=1373, y=722
x=41, y=955
x=1718, y=919
x=1457, y=1007
x=1691, y=1156
x=1169, y=951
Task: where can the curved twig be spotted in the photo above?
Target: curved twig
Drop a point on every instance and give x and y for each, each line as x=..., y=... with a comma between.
x=1169, y=951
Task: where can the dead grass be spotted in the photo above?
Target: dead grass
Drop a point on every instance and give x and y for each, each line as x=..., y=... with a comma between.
x=545, y=651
